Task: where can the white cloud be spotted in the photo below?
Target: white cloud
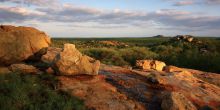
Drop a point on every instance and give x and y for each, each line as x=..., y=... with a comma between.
x=33, y=2
x=183, y=3
x=14, y=14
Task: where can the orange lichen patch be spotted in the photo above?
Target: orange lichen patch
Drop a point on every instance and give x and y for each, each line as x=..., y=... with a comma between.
x=169, y=87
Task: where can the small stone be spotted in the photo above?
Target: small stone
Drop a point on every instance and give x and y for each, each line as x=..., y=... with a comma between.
x=23, y=68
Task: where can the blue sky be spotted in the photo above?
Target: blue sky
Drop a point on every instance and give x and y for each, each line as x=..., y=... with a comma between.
x=114, y=18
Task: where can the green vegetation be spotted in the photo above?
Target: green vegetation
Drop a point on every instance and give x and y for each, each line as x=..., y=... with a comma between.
x=124, y=56
x=202, y=56
x=34, y=92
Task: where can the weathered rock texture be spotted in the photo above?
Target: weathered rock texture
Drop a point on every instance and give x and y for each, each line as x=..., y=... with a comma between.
x=23, y=68
x=20, y=43
x=97, y=93
x=176, y=101
x=50, y=55
x=150, y=64
x=184, y=90
x=173, y=69
x=200, y=92
x=71, y=62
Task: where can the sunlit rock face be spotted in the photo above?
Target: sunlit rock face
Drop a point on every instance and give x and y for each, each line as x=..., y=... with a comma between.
x=150, y=64
x=71, y=62
x=20, y=43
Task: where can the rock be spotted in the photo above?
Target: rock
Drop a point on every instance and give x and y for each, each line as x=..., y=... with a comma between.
x=186, y=75
x=71, y=62
x=4, y=70
x=113, y=43
x=52, y=52
x=190, y=39
x=50, y=70
x=97, y=93
x=200, y=92
x=187, y=38
x=20, y=43
x=176, y=101
x=150, y=64
x=172, y=69
x=144, y=64
x=158, y=65
x=23, y=68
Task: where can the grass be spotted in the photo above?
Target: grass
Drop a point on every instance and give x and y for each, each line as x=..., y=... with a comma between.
x=34, y=92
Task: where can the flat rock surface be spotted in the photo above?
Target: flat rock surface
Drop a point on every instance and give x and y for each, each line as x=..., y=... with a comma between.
x=117, y=88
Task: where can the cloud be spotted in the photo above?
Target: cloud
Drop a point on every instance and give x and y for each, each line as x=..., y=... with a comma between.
x=183, y=3
x=17, y=14
x=212, y=1
x=193, y=2
x=33, y=2
x=72, y=14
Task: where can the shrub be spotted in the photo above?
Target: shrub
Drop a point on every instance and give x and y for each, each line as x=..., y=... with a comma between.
x=136, y=53
x=106, y=55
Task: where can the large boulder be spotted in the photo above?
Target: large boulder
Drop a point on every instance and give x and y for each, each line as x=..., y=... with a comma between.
x=176, y=101
x=150, y=64
x=20, y=43
x=71, y=62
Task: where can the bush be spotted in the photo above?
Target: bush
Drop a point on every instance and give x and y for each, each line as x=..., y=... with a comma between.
x=120, y=57
x=188, y=56
x=130, y=55
x=28, y=92
x=106, y=55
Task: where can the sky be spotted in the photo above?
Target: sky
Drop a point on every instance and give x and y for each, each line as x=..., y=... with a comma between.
x=114, y=18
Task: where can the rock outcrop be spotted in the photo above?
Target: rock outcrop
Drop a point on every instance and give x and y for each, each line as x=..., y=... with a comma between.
x=187, y=38
x=150, y=64
x=71, y=62
x=199, y=92
x=19, y=43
